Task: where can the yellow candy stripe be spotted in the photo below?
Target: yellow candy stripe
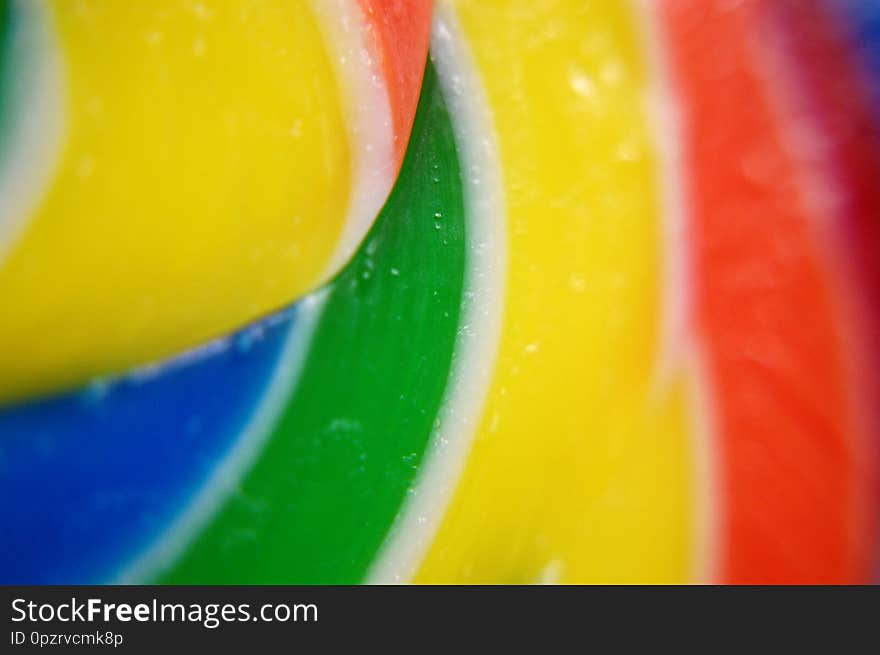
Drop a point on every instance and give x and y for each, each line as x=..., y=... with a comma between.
x=580, y=468
x=205, y=179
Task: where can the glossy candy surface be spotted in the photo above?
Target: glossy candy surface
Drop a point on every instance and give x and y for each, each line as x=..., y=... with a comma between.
x=195, y=166
x=617, y=321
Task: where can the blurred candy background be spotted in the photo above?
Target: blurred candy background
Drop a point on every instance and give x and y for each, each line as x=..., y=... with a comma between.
x=498, y=291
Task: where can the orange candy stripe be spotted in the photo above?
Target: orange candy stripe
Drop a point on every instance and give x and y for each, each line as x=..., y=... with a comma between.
x=829, y=86
x=788, y=468
x=402, y=28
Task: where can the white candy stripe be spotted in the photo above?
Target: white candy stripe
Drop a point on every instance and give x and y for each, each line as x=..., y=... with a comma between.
x=173, y=541
x=367, y=115
x=679, y=350
x=479, y=334
x=34, y=125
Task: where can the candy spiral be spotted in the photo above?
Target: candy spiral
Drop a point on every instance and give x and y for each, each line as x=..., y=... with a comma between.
x=616, y=320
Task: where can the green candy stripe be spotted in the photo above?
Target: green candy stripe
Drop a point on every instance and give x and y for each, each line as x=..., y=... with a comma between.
x=324, y=492
x=5, y=29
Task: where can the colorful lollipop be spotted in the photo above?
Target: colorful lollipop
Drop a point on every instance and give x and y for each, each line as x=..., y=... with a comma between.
x=616, y=322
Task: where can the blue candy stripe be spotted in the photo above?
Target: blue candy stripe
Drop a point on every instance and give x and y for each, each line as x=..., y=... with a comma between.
x=89, y=480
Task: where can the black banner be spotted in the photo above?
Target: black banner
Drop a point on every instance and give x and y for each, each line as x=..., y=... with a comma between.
x=147, y=619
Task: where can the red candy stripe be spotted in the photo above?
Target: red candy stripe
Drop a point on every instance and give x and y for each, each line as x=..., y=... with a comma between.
x=829, y=87
x=788, y=456
x=402, y=28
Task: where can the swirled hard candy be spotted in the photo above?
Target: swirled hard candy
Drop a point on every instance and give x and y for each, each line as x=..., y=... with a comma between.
x=172, y=170
x=616, y=322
